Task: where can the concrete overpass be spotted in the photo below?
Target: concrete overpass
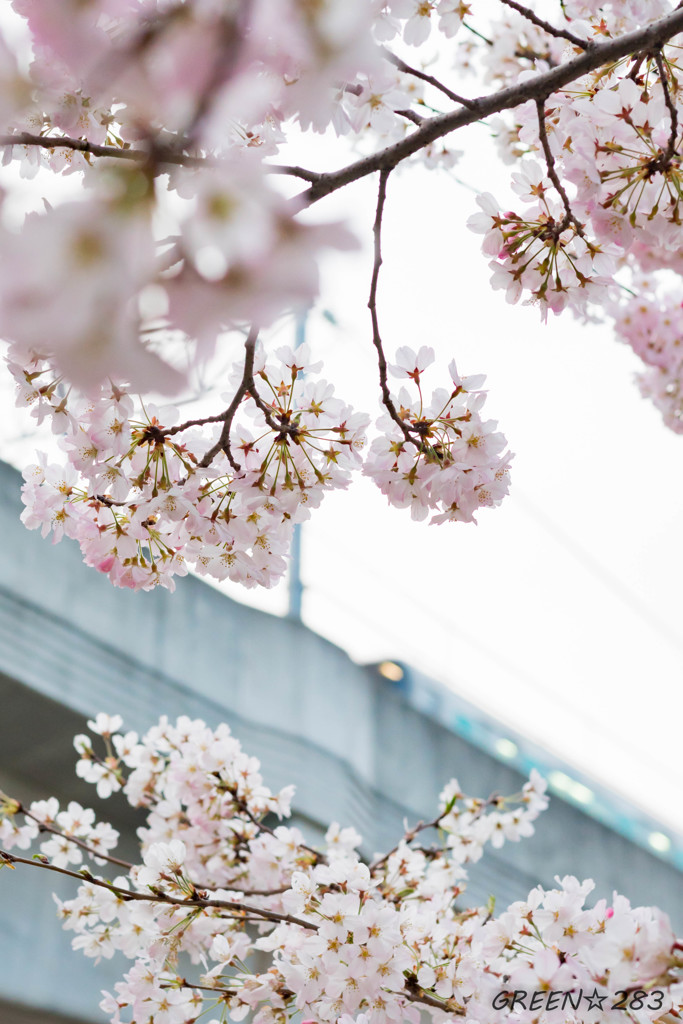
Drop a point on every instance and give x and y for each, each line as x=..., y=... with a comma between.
x=361, y=749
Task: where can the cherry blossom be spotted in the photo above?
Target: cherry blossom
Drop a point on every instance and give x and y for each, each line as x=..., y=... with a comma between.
x=439, y=454
x=190, y=227
x=217, y=894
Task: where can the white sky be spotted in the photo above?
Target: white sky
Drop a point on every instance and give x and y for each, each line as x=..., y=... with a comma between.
x=560, y=612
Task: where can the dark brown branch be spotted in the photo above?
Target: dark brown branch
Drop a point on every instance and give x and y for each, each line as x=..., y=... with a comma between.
x=407, y=69
x=569, y=217
x=279, y=427
x=217, y=990
x=223, y=442
x=422, y=826
x=372, y=306
x=540, y=86
x=552, y=30
x=529, y=54
x=218, y=418
x=242, y=805
x=411, y=115
x=44, y=827
x=295, y=172
x=161, y=897
x=407, y=838
x=160, y=155
x=670, y=151
x=415, y=994
x=109, y=502
x=247, y=388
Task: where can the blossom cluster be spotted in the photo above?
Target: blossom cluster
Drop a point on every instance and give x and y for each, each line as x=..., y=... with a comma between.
x=545, y=253
x=613, y=134
x=145, y=500
x=173, y=116
x=147, y=497
x=651, y=322
x=346, y=939
x=438, y=454
x=599, y=178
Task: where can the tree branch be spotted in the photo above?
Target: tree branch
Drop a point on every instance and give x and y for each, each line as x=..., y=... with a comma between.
x=408, y=837
x=669, y=152
x=295, y=172
x=372, y=306
x=430, y=79
x=559, y=33
x=160, y=155
x=422, y=826
x=539, y=87
x=416, y=994
x=159, y=896
x=569, y=217
x=411, y=115
x=44, y=827
x=223, y=442
x=246, y=388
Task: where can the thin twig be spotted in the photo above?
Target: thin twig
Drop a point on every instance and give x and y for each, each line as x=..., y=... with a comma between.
x=170, y=431
x=109, y=502
x=244, y=808
x=296, y=172
x=372, y=306
x=247, y=388
x=220, y=992
x=670, y=151
x=44, y=827
x=223, y=442
x=159, y=896
x=279, y=426
x=407, y=69
x=569, y=217
x=160, y=155
x=411, y=115
x=414, y=993
x=408, y=837
x=422, y=826
x=560, y=33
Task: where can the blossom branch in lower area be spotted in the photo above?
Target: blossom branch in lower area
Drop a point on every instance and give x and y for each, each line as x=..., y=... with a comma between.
x=344, y=941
